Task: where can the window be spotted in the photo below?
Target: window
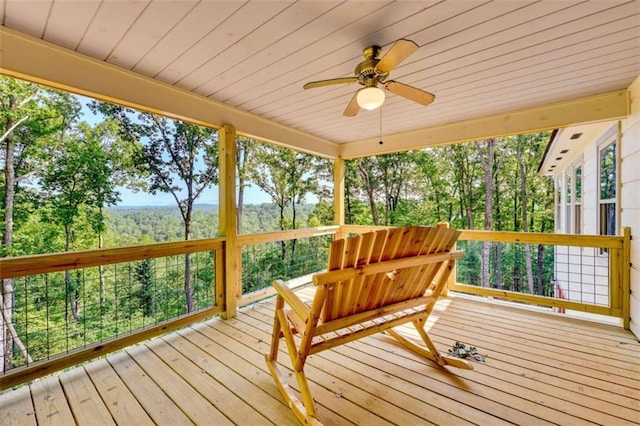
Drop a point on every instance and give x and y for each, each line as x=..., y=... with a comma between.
x=577, y=203
x=558, y=204
x=607, y=192
x=568, y=205
x=571, y=194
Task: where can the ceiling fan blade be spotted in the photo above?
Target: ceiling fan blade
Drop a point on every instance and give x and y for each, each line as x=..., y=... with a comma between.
x=398, y=53
x=353, y=107
x=409, y=92
x=344, y=80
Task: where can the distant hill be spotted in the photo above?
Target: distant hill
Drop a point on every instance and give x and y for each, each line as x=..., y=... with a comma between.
x=146, y=224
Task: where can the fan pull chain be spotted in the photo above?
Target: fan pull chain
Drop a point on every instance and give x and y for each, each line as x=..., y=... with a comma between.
x=380, y=142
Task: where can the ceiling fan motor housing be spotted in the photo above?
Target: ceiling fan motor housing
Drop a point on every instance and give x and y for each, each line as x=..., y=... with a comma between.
x=366, y=70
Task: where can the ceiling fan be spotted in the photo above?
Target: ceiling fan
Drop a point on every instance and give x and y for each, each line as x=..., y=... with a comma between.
x=372, y=73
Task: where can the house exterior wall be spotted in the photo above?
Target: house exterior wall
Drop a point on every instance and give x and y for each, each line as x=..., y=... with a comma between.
x=582, y=273
x=630, y=195
x=626, y=132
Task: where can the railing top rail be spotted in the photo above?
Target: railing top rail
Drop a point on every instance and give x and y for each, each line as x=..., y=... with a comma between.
x=291, y=234
x=600, y=241
x=11, y=267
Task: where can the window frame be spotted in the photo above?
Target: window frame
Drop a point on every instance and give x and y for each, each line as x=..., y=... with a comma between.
x=576, y=209
x=610, y=138
x=558, y=202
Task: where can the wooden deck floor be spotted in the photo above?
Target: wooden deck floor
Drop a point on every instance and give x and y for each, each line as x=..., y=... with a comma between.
x=540, y=369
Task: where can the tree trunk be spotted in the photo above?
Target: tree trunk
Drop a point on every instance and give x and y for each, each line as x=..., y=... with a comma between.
x=283, y=244
x=488, y=168
x=188, y=291
x=101, y=267
x=540, y=265
x=240, y=205
x=348, y=212
x=6, y=351
x=498, y=226
x=525, y=222
x=293, y=226
x=241, y=156
x=370, y=192
x=68, y=280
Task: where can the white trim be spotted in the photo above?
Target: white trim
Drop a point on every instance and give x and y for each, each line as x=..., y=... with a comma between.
x=609, y=138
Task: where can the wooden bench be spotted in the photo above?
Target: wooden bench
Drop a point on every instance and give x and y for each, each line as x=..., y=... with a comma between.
x=375, y=281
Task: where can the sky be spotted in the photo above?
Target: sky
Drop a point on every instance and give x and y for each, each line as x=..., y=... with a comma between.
x=252, y=195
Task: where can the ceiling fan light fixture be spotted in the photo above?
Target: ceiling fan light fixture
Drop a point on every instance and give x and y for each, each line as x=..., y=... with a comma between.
x=370, y=98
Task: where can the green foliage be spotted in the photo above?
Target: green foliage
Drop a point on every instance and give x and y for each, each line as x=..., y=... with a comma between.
x=262, y=264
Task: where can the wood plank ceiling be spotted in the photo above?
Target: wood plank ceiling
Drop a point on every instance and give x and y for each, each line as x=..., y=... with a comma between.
x=478, y=57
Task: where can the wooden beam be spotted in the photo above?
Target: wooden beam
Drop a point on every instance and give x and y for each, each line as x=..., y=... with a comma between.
x=338, y=194
x=228, y=221
x=32, y=59
x=12, y=267
x=606, y=106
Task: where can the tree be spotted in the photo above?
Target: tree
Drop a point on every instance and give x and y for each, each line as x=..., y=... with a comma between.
x=179, y=158
x=487, y=160
x=368, y=180
x=355, y=209
x=29, y=122
x=395, y=172
x=77, y=182
x=521, y=141
x=465, y=167
x=287, y=176
x=434, y=185
x=143, y=273
x=244, y=152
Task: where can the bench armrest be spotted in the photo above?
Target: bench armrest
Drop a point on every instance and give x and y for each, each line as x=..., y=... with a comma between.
x=298, y=306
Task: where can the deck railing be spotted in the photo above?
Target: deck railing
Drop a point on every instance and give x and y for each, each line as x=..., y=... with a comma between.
x=288, y=255
x=124, y=311
x=578, y=272
x=70, y=307
x=587, y=273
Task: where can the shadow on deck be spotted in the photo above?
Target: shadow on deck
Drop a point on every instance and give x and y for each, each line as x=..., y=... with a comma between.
x=539, y=369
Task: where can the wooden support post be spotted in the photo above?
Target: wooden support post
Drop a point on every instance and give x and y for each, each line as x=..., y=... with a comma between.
x=626, y=278
x=338, y=195
x=227, y=224
x=452, y=276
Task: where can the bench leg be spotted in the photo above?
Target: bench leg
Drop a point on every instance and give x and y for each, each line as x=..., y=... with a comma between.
x=305, y=411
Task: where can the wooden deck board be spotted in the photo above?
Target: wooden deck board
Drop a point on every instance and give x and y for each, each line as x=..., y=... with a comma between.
x=84, y=399
x=121, y=403
x=253, y=364
x=225, y=390
x=181, y=392
x=17, y=408
x=156, y=403
x=327, y=397
x=540, y=369
x=50, y=403
x=561, y=394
